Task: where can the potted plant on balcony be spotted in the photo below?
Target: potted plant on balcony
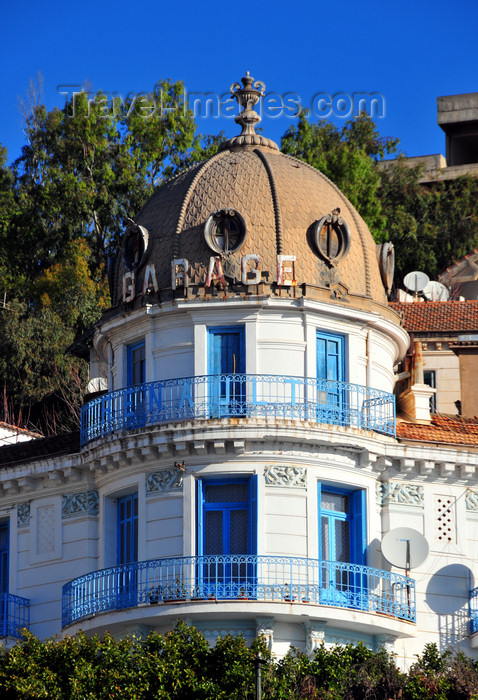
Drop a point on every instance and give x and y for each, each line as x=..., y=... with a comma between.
x=242, y=594
x=288, y=593
x=198, y=594
x=155, y=594
x=175, y=592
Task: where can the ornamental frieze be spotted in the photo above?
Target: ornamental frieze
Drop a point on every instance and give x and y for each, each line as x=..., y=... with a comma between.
x=403, y=494
x=165, y=480
x=471, y=500
x=23, y=514
x=289, y=477
x=83, y=503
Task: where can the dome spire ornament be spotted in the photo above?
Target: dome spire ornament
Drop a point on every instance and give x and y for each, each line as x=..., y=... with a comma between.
x=247, y=97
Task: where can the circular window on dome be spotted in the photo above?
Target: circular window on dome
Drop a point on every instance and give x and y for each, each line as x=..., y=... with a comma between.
x=332, y=237
x=225, y=231
x=135, y=245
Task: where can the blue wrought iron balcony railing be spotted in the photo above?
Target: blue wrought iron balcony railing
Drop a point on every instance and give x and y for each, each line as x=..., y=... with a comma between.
x=474, y=610
x=239, y=577
x=242, y=396
x=14, y=615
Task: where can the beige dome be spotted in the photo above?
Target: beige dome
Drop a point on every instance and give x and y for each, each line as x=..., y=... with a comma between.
x=280, y=199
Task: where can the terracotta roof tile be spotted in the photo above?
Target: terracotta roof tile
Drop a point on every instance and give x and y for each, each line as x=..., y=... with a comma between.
x=455, y=430
x=433, y=316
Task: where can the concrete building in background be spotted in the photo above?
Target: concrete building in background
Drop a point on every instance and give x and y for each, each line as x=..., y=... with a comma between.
x=245, y=462
x=457, y=115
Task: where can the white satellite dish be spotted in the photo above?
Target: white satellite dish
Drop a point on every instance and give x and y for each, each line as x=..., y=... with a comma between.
x=405, y=548
x=97, y=384
x=436, y=291
x=416, y=281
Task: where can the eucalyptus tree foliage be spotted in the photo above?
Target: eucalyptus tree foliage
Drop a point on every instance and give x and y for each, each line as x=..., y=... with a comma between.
x=432, y=224
x=347, y=156
x=87, y=167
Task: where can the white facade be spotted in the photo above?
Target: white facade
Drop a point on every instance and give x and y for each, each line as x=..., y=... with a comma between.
x=242, y=468
x=63, y=511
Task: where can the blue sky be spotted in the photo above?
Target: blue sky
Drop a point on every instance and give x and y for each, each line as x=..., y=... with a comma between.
x=408, y=52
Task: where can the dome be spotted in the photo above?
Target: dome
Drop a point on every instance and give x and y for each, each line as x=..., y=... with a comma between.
x=222, y=226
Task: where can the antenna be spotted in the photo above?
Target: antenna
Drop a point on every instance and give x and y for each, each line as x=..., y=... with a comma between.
x=416, y=281
x=405, y=548
x=436, y=291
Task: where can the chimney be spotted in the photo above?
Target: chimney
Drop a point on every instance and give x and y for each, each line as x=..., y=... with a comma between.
x=414, y=401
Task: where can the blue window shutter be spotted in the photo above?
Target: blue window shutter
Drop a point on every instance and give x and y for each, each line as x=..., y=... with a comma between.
x=319, y=502
x=136, y=364
x=226, y=351
x=331, y=356
x=200, y=517
x=253, y=513
x=4, y=556
x=359, y=526
x=127, y=529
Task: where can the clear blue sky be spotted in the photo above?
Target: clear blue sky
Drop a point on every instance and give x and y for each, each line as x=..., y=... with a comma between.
x=410, y=52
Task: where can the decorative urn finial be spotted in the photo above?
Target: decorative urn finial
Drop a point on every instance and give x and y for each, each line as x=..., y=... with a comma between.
x=247, y=97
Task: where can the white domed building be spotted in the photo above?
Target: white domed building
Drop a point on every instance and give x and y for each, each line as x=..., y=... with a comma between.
x=239, y=464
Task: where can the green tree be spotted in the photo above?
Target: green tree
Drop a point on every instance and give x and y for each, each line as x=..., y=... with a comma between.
x=430, y=225
x=181, y=665
x=347, y=156
x=63, y=203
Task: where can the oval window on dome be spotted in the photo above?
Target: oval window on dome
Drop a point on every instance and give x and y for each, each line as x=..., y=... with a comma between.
x=225, y=231
x=332, y=237
x=135, y=245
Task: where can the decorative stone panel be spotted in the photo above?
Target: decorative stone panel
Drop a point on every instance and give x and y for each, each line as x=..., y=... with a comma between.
x=445, y=519
x=45, y=530
x=211, y=634
x=165, y=480
x=314, y=635
x=23, y=514
x=265, y=628
x=289, y=477
x=84, y=503
x=404, y=494
x=471, y=500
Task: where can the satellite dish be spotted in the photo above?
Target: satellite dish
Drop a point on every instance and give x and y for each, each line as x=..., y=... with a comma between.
x=416, y=281
x=436, y=291
x=97, y=384
x=405, y=548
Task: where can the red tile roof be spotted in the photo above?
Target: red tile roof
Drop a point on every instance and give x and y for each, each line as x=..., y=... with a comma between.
x=455, y=430
x=436, y=316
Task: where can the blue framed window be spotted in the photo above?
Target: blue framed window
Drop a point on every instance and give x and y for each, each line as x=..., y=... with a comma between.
x=135, y=398
x=227, y=526
x=4, y=562
x=226, y=358
x=4, y=556
x=343, y=525
x=331, y=369
x=136, y=364
x=127, y=529
x=342, y=541
x=429, y=378
x=331, y=357
x=226, y=351
x=127, y=549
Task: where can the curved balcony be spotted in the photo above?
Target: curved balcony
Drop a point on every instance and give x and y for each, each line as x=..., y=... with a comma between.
x=239, y=577
x=14, y=615
x=241, y=396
